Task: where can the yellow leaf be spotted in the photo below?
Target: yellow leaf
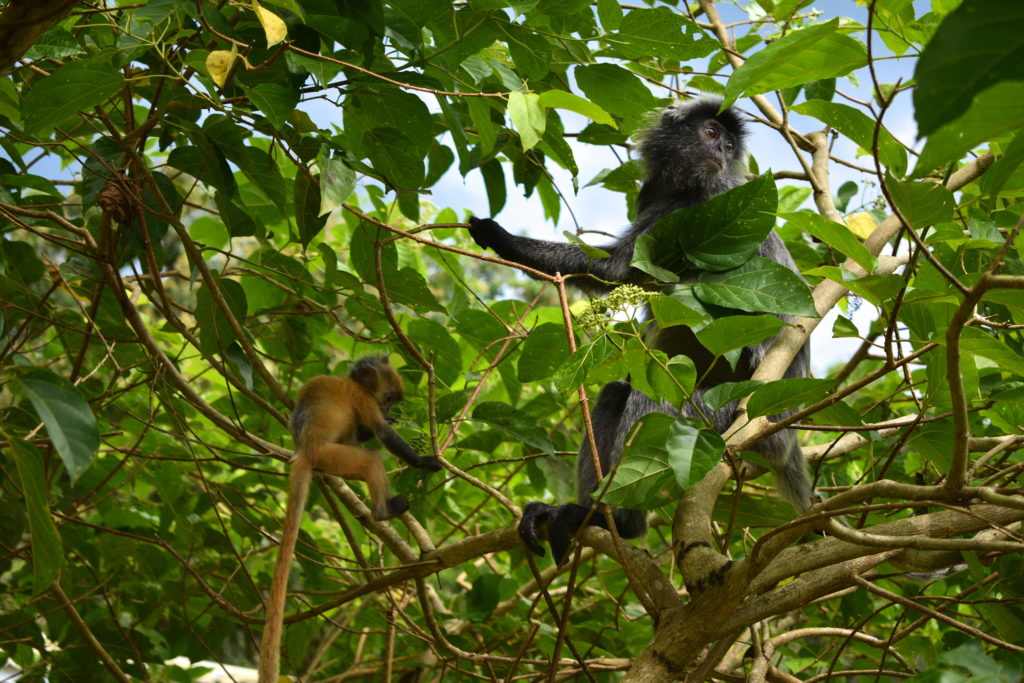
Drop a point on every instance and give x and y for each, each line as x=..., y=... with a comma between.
x=861, y=224
x=219, y=62
x=273, y=25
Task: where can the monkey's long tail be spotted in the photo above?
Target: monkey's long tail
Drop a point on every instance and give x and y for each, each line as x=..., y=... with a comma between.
x=791, y=476
x=270, y=646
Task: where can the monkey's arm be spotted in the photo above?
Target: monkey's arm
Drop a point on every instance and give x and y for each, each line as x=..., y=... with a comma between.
x=400, y=449
x=556, y=257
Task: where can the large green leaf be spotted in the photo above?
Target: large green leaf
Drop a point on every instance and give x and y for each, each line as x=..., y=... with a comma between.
x=642, y=474
x=922, y=203
x=804, y=55
x=544, y=351
x=519, y=427
x=394, y=155
x=720, y=234
x=758, y=286
x=979, y=343
x=660, y=32
x=306, y=196
x=69, y=420
x=560, y=99
x=215, y=332
x=834, y=235
x=993, y=113
x=692, y=452
x=55, y=100
x=786, y=394
x=47, y=550
x=977, y=45
x=275, y=101
x=738, y=331
x=530, y=51
x=860, y=128
x=527, y=117
x=615, y=90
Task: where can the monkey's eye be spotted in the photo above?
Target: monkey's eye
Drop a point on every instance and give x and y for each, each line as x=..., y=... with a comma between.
x=711, y=132
x=730, y=146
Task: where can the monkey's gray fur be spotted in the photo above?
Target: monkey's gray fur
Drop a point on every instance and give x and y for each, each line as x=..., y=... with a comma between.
x=691, y=153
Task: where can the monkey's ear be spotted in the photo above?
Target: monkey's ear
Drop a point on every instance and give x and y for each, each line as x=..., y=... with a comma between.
x=366, y=373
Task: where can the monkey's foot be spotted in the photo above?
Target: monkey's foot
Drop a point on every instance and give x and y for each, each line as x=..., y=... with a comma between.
x=394, y=506
x=534, y=515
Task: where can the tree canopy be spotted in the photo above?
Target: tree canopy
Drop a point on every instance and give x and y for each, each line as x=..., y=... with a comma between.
x=205, y=204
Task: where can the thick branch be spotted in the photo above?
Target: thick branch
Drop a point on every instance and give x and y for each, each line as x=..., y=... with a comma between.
x=23, y=21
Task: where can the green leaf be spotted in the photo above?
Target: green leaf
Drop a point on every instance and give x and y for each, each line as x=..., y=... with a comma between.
x=483, y=597
x=438, y=344
x=670, y=311
x=205, y=162
x=1003, y=169
x=692, y=452
x=259, y=167
x=337, y=182
x=976, y=46
x=394, y=155
x=834, y=235
x=616, y=90
x=527, y=117
x=721, y=395
x=878, y=289
x=47, y=550
x=306, y=195
x=737, y=332
x=922, y=203
x=530, y=52
x=275, y=101
x=786, y=394
x=55, y=100
x=494, y=182
x=215, y=332
x=544, y=351
x=860, y=128
x=560, y=99
x=804, y=55
x=576, y=368
x=993, y=113
x=660, y=32
x=979, y=343
x=644, y=259
x=758, y=286
x=69, y=420
x=844, y=327
x=720, y=234
x=520, y=427
x=642, y=474
x=610, y=14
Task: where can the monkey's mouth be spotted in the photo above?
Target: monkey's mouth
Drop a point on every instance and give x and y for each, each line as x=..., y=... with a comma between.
x=715, y=163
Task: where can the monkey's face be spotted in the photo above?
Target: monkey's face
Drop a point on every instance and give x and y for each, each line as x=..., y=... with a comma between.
x=716, y=146
x=389, y=399
x=695, y=149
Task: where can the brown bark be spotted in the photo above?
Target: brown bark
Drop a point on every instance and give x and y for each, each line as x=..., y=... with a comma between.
x=23, y=21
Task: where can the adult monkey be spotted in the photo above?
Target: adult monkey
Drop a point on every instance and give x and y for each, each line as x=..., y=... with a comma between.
x=332, y=416
x=691, y=153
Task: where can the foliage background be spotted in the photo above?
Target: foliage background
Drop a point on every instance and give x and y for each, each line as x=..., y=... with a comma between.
x=183, y=246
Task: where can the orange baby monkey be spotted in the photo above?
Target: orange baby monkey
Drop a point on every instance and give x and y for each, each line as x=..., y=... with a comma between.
x=332, y=415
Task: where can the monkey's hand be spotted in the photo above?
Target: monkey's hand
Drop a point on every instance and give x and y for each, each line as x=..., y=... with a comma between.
x=432, y=464
x=486, y=233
